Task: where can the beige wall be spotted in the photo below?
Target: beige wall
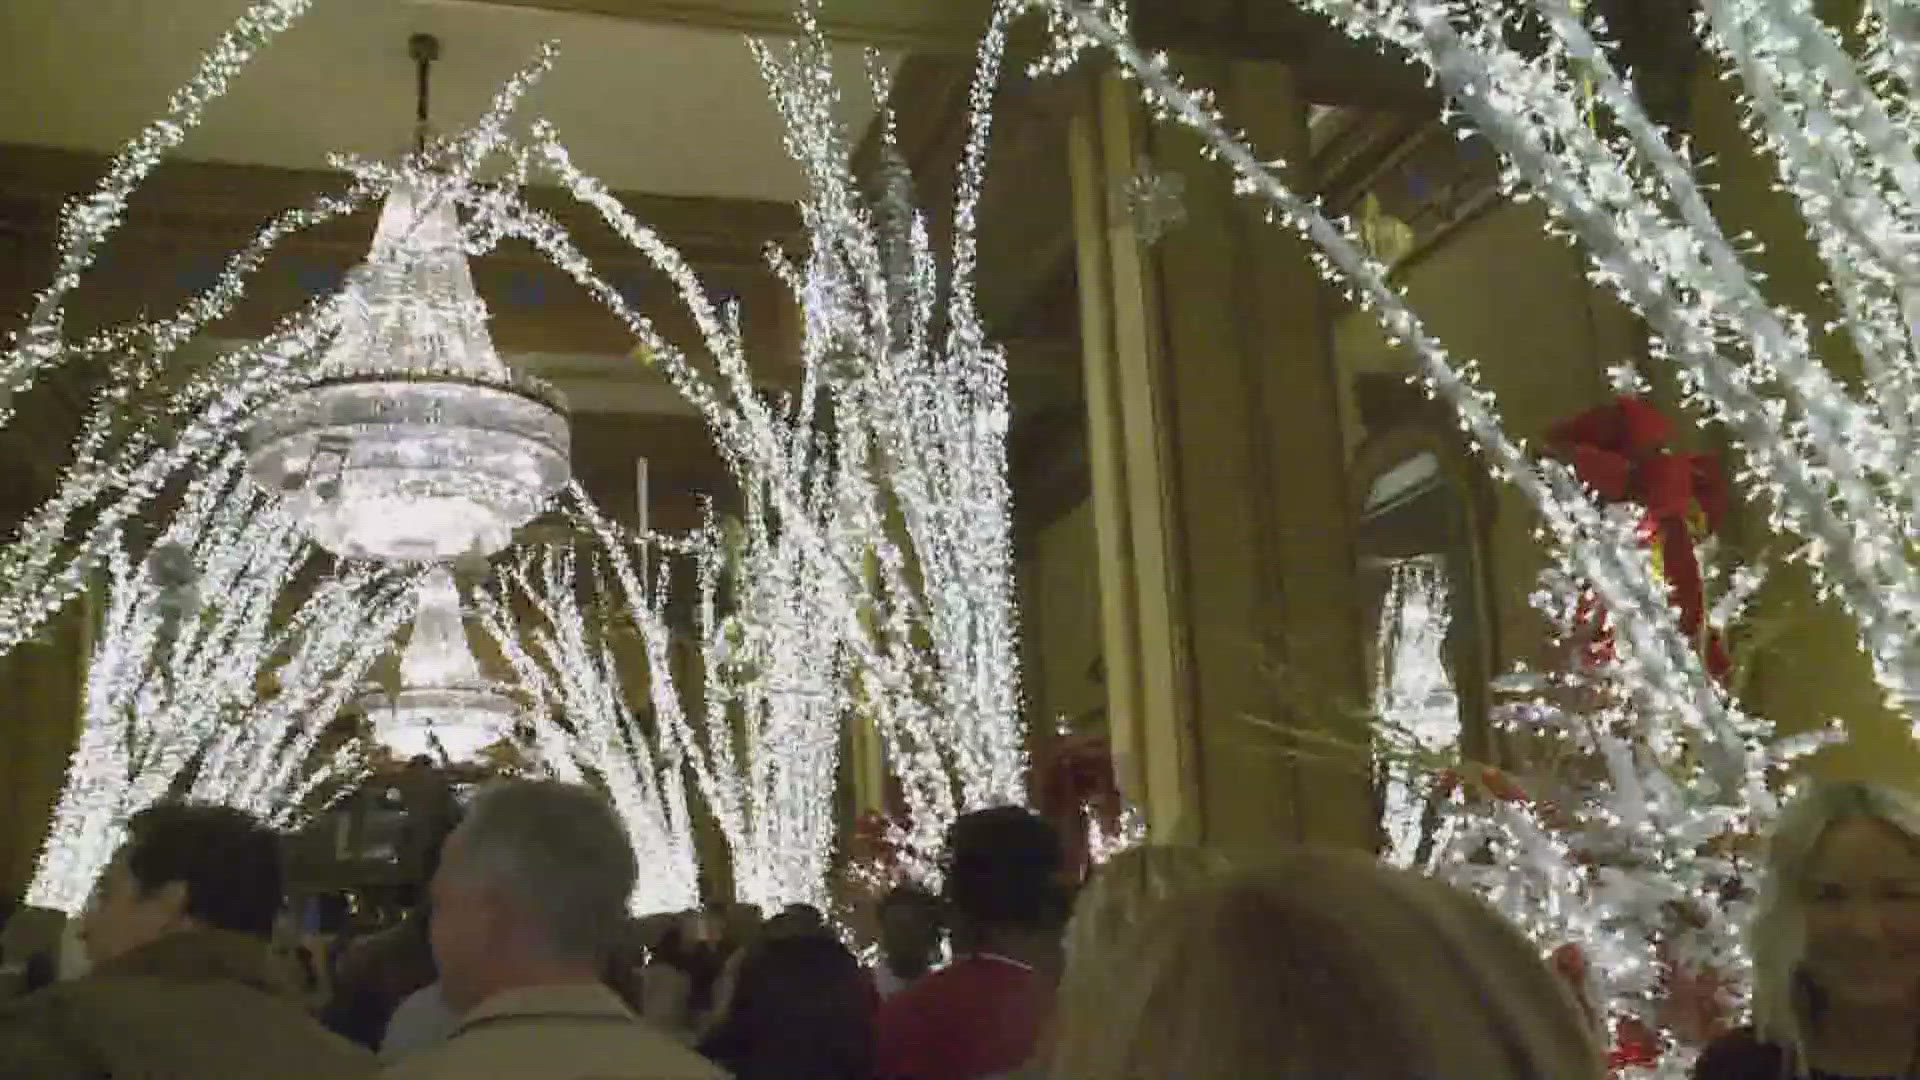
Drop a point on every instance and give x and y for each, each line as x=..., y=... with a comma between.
x=1061, y=620
x=1498, y=290
x=41, y=683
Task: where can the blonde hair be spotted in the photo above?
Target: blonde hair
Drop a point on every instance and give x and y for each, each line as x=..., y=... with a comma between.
x=1127, y=886
x=1115, y=901
x=1784, y=999
x=1323, y=964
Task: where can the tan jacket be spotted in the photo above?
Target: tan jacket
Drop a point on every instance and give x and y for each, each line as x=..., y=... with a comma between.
x=555, y=1033
x=204, y=1005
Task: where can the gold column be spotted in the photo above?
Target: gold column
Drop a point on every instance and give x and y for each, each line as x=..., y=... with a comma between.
x=43, y=683
x=1220, y=496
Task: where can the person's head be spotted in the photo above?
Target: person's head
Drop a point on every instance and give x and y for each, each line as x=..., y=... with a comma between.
x=800, y=1011
x=796, y=920
x=184, y=867
x=1127, y=887
x=910, y=924
x=738, y=923
x=648, y=931
x=1838, y=917
x=430, y=865
x=532, y=885
x=1322, y=964
x=1003, y=872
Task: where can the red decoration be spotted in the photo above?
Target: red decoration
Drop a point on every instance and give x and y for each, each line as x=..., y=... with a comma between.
x=1074, y=780
x=870, y=840
x=1569, y=962
x=872, y=847
x=1690, y=1007
x=1635, y=1045
x=1620, y=451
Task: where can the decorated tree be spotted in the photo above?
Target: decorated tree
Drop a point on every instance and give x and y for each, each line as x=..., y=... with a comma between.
x=1603, y=838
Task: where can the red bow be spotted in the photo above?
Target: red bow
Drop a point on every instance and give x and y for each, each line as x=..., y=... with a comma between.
x=1620, y=451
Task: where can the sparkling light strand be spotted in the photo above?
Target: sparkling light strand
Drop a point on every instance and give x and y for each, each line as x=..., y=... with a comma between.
x=764, y=747
x=1686, y=279
x=162, y=681
x=85, y=224
x=262, y=763
x=1623, y=848
x=936, y=702
x=936, y=412
x=1657, y=831
x=41, y=571
x=583, y=690
x=214, y=404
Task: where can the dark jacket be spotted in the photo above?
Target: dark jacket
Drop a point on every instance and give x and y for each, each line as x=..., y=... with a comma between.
x=377, y=973
x=205, y=1005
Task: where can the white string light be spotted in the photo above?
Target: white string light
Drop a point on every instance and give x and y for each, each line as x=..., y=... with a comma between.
x=165, y=677
x=1622, y=849
x=884, y=546
x=84, y=224
x=918, y=541
x=584, y=726
x=1659, y=659
x=263, y=761
x=764, y=742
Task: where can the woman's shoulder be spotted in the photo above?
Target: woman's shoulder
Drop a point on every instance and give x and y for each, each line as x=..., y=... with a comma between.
x=1740, y=1054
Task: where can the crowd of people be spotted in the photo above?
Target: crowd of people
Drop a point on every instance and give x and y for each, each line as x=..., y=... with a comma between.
x=522, y=961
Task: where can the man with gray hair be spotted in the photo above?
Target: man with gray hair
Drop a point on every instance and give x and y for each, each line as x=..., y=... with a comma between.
x=531, y=889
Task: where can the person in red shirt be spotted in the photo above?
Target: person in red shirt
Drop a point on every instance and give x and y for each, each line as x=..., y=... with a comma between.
x=982, y=1015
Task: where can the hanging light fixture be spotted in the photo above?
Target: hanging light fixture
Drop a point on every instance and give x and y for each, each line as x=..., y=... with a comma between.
x=444, y=704
x=415, y=441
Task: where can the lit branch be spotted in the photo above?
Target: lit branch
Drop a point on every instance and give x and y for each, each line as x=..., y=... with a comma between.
x=582, y=721
x=174, y=664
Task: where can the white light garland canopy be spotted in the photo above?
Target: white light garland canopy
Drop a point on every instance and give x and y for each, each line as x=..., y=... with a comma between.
x=383, y=416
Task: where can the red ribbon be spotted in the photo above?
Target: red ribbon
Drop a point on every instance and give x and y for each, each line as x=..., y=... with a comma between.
x=1620, y=451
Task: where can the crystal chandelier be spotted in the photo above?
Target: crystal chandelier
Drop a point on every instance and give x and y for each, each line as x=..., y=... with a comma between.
x=444, y=703
x=414, y=441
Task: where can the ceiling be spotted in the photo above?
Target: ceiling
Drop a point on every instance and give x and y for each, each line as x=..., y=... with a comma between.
x=649, y=107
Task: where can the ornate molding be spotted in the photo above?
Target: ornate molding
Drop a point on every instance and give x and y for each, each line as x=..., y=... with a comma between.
x=1410, y=184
